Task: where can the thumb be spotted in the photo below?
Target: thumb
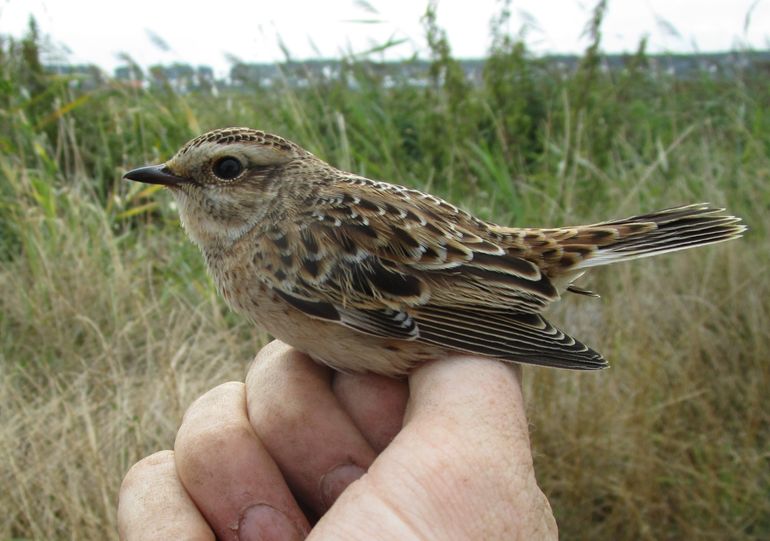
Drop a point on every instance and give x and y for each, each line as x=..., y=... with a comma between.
x=465, y=450
x=460, y=468
x=469, y=400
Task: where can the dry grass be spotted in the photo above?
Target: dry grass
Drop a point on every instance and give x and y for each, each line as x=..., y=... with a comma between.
x=109, y=327
x=672, y=441
x=98, y=364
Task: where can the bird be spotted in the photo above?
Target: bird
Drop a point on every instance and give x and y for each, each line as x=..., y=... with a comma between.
x=369, y=276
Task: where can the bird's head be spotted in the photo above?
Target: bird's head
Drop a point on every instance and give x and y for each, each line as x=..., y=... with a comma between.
x=226, y=181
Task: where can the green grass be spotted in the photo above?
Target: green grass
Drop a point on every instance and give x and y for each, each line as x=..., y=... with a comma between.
x=109, y=326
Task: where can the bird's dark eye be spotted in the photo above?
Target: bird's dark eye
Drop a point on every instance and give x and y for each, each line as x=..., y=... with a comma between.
x=227, y=168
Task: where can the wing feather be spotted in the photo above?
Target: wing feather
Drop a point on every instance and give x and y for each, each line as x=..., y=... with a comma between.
x=380, y=270
x=526, y=338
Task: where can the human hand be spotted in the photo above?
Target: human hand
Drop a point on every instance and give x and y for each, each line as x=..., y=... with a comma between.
x=283, y=456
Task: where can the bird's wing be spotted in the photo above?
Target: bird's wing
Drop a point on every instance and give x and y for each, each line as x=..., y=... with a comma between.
x=397, y=263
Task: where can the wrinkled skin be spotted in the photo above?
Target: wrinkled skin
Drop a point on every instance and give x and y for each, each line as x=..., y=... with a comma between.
x=446, y=455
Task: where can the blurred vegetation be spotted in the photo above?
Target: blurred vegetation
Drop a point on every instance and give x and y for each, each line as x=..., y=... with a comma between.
x=109, y=326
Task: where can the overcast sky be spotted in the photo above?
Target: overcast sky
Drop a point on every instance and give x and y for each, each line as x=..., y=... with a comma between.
x=206, y=32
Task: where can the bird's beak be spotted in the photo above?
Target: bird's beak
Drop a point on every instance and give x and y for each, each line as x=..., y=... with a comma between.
x=155, y=174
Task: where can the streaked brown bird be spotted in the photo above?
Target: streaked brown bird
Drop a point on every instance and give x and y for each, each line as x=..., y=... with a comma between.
x=370, y=276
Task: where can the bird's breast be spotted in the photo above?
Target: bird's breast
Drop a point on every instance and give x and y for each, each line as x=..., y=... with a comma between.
x=240, y=283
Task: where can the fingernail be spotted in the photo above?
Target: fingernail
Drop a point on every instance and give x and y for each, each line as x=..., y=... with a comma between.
x=265, y=523
x=337, y=480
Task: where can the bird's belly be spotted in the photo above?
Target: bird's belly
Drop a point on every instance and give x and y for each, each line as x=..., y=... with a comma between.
x=333, y=344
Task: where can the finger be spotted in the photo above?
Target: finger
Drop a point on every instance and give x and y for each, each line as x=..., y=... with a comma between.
x=460, y=468
x=468, y=416
x=230, y=475
x=153, y=503
x=475, y=408
x=472, y=396
x=312, y=439
x=376, y=404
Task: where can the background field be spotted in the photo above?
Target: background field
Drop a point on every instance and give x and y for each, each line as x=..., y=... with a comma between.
x=109, y=326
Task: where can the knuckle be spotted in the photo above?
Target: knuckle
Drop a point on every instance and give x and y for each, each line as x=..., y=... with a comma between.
x=147, y=466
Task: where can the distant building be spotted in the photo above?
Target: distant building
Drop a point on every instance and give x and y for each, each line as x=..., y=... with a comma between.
x=83, y=76
x=130, y=76
x=415, y=72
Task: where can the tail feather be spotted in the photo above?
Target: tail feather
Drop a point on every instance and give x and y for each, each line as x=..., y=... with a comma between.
x=667, y=230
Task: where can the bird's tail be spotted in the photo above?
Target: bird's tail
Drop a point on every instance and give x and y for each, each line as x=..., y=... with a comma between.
x=659, y=232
